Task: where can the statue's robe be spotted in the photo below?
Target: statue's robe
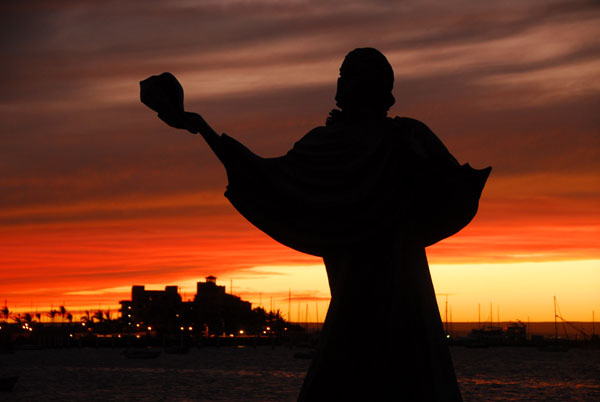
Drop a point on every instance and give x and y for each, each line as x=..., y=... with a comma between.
x=368, y=197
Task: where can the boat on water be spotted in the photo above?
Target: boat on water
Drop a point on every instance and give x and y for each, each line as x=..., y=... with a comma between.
x=555, y=346
x=141, y=353
x=8, y=383
x=488, y=335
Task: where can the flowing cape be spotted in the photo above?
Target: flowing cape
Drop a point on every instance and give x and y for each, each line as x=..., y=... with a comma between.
x=349, y=184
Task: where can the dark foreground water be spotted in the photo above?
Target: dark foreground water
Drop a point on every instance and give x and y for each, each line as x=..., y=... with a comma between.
x=264, y=374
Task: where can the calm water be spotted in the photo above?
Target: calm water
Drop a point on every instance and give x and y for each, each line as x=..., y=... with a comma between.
x=265, y=374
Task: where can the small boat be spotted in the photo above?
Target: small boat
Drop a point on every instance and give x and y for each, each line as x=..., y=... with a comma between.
x=141, y=353
x=555, y=346
x=8, y=383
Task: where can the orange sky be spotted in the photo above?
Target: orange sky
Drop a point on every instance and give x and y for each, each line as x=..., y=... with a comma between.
x=98, y=194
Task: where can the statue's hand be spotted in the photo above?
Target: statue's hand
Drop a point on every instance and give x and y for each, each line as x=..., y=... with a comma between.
x=163, y=94
x=192, y=122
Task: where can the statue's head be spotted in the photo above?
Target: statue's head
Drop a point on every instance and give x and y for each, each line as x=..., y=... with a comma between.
x=365, y=83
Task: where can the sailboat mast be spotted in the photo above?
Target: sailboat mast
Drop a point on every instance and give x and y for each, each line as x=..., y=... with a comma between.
x=307, y=316
x=498, y=313
x=555, y=324
x=446, y=314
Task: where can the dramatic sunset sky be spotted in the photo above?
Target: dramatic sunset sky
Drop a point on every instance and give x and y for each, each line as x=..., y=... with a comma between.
x=97, y=194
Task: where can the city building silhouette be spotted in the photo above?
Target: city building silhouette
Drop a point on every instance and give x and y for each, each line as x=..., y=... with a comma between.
x=212, y=311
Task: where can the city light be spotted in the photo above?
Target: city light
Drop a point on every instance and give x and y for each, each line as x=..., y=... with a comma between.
x=241, y=332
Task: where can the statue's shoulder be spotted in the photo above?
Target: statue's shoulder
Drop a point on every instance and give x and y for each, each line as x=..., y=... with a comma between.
x=415, y=129
x=423, y=139
x=321, y=135
x=329, y=129
x=409, y=124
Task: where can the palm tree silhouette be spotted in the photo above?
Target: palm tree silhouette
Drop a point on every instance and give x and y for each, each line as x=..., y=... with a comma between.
x=86, y=317
x=28, y=318
x=52, y=313
x=5, y=311
x=17, y=318
x=63, y=312
x=98, y=315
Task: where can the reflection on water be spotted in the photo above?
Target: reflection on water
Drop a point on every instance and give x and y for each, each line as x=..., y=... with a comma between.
x=527, y=374
x=209, y=374
x=265, y=374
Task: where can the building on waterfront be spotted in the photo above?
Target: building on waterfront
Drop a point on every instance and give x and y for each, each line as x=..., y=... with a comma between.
x=152, y=308
x=212, y=310
x=219, y=311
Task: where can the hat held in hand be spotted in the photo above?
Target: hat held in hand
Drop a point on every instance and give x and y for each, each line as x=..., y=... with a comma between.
x=163, y=94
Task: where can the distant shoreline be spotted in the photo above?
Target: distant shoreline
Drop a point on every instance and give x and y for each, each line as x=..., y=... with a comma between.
x=545, y=328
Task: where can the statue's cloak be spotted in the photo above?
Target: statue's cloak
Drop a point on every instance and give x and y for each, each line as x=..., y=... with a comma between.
x=350, y=184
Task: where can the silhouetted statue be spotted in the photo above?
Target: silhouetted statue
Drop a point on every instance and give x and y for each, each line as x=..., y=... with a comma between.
x=367, y=193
